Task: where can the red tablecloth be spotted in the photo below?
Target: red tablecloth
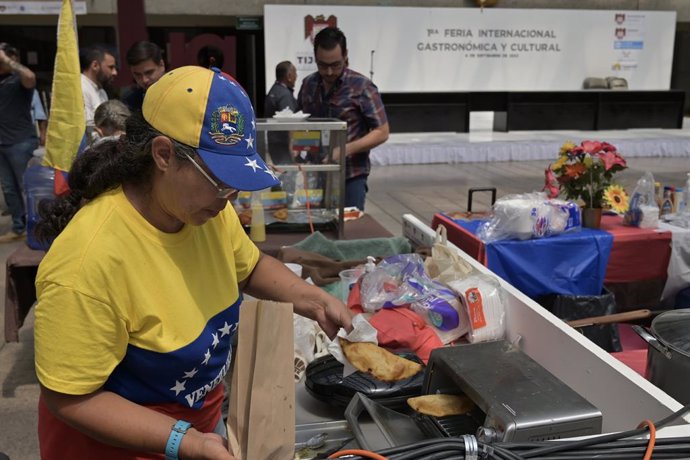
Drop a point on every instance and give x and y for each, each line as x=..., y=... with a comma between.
x=637, y=254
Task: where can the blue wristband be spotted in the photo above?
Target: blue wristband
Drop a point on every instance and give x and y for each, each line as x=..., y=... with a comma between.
x=173, y=447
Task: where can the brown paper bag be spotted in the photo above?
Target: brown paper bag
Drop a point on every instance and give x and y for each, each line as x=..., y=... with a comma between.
x=261, y=419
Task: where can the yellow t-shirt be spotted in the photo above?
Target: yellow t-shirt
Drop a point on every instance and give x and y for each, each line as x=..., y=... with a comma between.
x=146, y=314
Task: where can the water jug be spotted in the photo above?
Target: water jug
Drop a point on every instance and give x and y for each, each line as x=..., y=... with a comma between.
x=38, y=185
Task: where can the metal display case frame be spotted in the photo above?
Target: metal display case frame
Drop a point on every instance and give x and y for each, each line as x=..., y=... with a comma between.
x=337, y=136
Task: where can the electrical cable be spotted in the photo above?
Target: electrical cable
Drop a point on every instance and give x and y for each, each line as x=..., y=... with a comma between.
x=360, y=452
x=612, y=446
x=652, y=438
x=574, y=445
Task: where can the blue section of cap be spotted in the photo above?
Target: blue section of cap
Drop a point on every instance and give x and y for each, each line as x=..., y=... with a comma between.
x=227, y=142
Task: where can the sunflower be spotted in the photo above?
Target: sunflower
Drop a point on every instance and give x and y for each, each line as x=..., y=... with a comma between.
x=616, y=197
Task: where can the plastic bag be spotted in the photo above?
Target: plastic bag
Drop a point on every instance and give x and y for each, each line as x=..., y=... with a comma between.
x=395, y=281
x=445, y=264
x=399, y=281
x=483, y=300
x=643, y=211
x=530, y=215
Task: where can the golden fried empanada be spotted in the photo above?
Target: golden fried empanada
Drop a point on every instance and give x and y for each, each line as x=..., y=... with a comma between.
x=441, y=405
x=381, y=364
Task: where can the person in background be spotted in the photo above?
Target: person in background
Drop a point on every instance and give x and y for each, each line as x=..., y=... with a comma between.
x=17, y=135
x=281, y=94
x=210, y=56
x=98, y=70
x=336, y=91
x=145, y=60
x=110, y=119
x=139, y=294
x=39, y=117
x=278, y=98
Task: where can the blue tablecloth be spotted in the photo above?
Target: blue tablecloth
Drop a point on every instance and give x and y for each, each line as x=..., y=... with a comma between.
x=572, y=263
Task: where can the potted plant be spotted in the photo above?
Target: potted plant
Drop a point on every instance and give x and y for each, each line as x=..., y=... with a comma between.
x=584, y=173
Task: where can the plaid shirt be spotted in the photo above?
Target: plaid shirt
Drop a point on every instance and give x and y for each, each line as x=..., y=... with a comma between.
x=353, y=99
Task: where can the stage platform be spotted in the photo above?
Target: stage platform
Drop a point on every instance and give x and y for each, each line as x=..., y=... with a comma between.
x=482, y=144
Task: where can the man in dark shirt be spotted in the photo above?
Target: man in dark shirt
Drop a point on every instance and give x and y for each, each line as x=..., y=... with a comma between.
x=145, y=60
x=278, y=98
x=17, y=135
x=336, y=91
x=280, y=95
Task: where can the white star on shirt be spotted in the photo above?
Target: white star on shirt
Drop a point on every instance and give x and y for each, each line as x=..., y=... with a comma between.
x=250, y=141
x=179, y=386
x=190, y=374
x=225, y=330
x=207, y=356
x=252, y=164
x=269, y=171
x=215, y=340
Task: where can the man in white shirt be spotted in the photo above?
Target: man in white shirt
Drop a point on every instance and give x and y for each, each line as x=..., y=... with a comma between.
x=98, y=69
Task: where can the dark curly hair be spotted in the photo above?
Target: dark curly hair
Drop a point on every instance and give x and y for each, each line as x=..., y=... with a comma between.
x=102, y=167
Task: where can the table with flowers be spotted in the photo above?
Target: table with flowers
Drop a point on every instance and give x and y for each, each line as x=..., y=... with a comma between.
x=629, y=260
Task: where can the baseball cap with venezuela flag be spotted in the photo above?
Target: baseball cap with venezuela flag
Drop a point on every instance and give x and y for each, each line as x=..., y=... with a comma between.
x=208, y=110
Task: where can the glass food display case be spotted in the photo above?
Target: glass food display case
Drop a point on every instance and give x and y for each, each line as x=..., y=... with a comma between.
x=305, y=153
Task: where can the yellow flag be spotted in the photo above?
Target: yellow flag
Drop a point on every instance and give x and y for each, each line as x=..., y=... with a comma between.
x=66, y=124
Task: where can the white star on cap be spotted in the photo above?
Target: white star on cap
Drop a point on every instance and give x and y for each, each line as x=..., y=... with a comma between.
x=179, y=386
x=252, y=164
x=253, y=125
x=268, y=170
x=232, y=83
x=207, y=356
x=190, y=374
x=250, y=141
x=221, y=77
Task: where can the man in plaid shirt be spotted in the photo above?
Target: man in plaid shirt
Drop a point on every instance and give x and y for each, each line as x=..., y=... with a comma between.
x=336, y=91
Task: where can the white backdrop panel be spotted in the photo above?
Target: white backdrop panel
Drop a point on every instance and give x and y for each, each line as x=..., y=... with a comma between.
x=465, y=49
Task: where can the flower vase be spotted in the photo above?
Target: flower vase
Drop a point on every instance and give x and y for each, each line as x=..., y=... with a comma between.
x=591, y=217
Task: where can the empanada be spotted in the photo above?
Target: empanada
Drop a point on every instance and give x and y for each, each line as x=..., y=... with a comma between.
x=381, y=364
x=441, y=405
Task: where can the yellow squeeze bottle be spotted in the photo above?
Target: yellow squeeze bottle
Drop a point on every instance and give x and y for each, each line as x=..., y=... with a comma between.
x=257, y=231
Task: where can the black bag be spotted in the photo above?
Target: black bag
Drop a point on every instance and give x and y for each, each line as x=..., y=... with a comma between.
x=572, y=307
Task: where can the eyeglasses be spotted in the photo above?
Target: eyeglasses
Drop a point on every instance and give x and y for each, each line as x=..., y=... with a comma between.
x=223, y=192
x=330, y=65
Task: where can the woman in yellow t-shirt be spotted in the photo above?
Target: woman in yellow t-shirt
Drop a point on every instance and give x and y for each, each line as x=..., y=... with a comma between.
x=138, y=296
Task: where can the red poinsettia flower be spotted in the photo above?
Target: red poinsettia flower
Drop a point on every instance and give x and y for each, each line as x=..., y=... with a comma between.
x=550, y=183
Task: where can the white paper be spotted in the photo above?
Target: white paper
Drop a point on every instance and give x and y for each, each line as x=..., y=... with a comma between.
x=362, y=331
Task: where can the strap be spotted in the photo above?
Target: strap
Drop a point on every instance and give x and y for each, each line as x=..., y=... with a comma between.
x=176, y=433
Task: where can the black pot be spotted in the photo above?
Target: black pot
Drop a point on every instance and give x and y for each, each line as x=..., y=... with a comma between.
x=668, y=356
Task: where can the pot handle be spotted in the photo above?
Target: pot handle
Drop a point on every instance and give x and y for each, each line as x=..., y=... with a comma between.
x=652, y=341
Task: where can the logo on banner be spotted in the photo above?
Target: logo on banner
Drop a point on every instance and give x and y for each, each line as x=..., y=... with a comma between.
x=620, y=33
x=620, y=18
x=314, y=25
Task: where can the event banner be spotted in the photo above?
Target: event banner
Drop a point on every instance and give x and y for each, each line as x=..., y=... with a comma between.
x=471, y=49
